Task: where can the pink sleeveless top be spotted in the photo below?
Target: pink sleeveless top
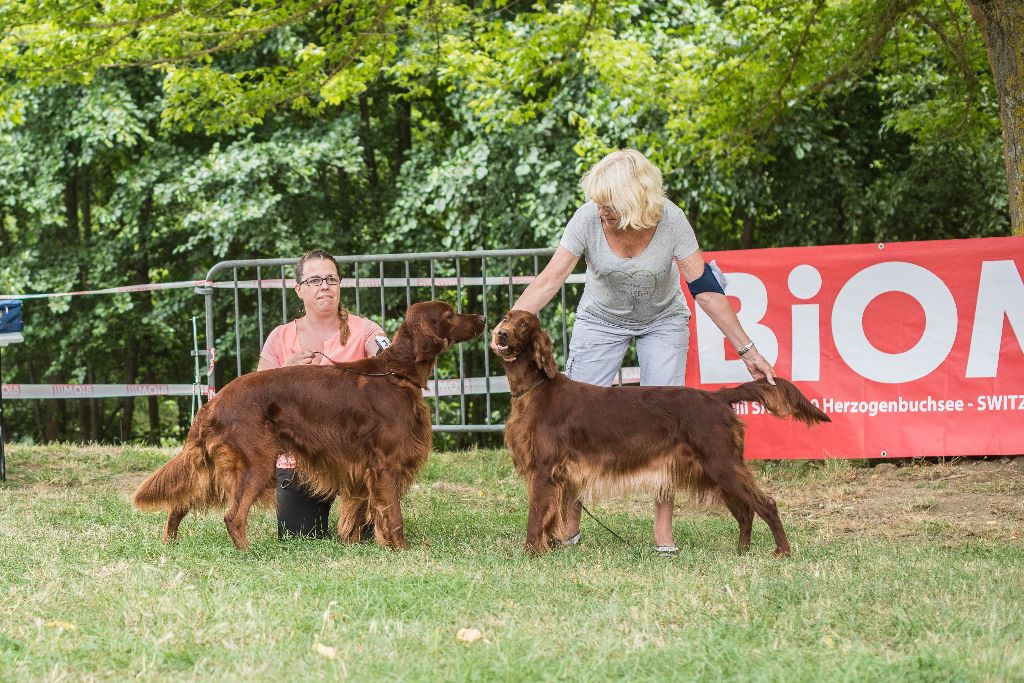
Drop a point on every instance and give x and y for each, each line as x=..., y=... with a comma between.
x=283, y=342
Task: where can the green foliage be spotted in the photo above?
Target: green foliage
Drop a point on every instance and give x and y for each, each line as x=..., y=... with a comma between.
x=294, y=50
x=145, y=141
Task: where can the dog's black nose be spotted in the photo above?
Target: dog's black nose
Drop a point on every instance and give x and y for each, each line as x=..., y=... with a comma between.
x=503, y=336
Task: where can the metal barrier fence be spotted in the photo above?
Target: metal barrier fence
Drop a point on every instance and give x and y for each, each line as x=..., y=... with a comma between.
x=468, y=390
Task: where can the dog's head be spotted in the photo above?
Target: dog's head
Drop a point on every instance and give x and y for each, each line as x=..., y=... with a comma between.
x=519, y=334
x=433, y=325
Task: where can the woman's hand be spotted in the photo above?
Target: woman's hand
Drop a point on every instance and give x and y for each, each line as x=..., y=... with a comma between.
x=758, y=366
x=300, y=358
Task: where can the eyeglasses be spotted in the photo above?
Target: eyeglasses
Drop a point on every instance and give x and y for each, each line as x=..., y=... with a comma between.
x=316, y=281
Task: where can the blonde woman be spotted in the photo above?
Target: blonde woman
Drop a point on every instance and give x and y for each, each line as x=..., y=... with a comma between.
x=326, y=333
x=636, y=243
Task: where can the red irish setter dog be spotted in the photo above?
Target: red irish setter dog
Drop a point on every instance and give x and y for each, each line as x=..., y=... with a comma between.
x=357, y=430
x=570, y=439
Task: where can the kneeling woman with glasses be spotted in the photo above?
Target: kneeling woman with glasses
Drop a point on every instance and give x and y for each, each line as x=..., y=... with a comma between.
x=326, y=333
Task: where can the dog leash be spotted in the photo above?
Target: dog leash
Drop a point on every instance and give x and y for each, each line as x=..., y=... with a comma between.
x=370, y=374
x=626, y=543
x=635, y=548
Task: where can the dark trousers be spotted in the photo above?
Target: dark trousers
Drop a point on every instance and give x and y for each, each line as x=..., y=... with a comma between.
x=299, y=513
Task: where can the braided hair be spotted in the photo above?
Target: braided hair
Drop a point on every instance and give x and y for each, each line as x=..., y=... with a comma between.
x=314, y=255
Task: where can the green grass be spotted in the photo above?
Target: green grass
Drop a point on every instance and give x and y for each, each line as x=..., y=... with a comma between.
x=88, y=592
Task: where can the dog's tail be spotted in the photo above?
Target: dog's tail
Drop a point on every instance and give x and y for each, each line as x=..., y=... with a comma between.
x=781, y=399
x=186, y=481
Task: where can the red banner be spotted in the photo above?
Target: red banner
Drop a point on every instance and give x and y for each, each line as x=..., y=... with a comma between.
x=912, y=348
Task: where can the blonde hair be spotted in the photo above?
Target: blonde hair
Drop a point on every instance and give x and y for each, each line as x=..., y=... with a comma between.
x=626, y=181
x=316, y=255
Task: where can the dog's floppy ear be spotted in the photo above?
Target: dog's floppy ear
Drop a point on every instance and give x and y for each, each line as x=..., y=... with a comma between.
x=426, y=345
x=543, y=354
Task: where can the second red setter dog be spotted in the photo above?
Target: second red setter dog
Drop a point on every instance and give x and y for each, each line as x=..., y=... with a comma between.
x=357, y=430
x=569, y=438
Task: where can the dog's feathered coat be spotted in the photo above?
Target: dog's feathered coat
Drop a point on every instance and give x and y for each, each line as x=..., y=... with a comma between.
x=357, y=430
x=570, y=439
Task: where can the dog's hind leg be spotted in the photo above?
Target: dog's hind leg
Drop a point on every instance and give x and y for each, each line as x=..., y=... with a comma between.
x=570, y=511
x=744, y=517
x=767, y=510
x=173, y=521
x=250, y=485
x=730, y=473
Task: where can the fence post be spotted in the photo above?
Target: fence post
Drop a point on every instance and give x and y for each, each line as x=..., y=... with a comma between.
x=211, y=377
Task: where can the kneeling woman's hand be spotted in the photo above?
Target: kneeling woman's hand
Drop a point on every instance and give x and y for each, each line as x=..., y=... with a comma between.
x=301, y=358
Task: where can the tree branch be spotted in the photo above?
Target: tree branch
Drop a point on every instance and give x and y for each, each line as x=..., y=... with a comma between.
x=232, y=40
x=134, y=23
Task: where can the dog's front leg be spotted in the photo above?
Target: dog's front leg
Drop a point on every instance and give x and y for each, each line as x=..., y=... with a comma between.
x=396, y=527
x=542, y=517
x=385, y=494
x=352, y=519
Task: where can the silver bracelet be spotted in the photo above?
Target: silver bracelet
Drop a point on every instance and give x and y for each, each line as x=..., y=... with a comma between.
x=746, y=348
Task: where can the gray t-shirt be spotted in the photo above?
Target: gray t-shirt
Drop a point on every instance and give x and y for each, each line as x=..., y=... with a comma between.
x=631, y=292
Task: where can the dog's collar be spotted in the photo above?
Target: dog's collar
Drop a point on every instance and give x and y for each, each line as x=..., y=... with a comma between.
x=373, y=374
x=517, y=394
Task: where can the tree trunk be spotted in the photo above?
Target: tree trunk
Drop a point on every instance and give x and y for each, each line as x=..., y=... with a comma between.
x=95, y=408
x=85, y=203
x=154, y=411
x=71, y=206
x=128, y=402
x=82, y=407
x=86, y=198
x=72, y=232
x=366, y=138
x=37, y=406
x=1002, y=25
x=54, y=420
x=139, y=340
x=747, y=238
x=403, y=130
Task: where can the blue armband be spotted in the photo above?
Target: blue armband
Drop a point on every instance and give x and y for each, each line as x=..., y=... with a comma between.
x=711, y=280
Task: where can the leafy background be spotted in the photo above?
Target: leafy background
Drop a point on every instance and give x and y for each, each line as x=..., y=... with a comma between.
x=144, y=142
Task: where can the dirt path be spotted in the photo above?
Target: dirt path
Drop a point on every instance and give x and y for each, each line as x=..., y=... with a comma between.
x=965, y=499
